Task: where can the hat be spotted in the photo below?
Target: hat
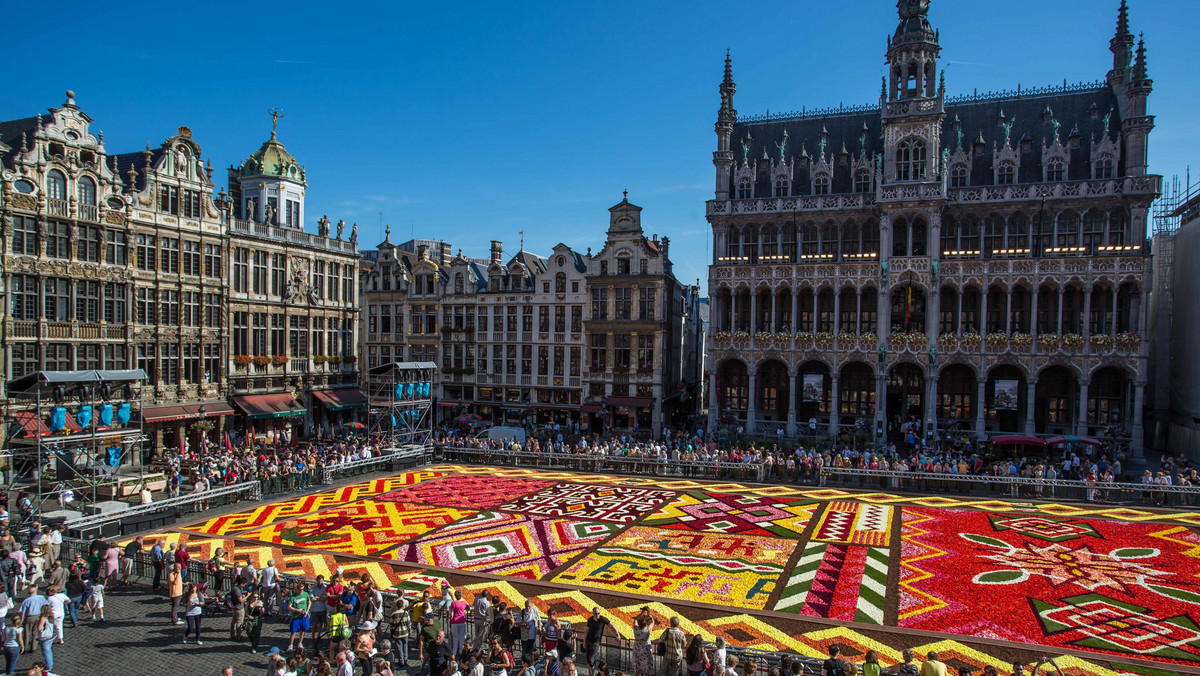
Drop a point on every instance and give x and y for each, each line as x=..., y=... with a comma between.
x=273, y=651
x=553, y=653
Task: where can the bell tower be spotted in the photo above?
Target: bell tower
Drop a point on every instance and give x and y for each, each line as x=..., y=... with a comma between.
x=912, y=98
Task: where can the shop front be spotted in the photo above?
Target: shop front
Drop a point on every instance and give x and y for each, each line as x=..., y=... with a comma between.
x=630, y=413
x=194, y=424
x=267, y=417
x=333, y=409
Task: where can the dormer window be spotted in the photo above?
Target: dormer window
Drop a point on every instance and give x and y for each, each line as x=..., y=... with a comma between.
x=782, y=187
x=623, y=265
x=1104, y=166
x=1006, y=174
x=1056, y=170
x=910, y=160
x=494, y=283
x=743, y=191
x=958, y=176
x=862, y=181
x=821, y=184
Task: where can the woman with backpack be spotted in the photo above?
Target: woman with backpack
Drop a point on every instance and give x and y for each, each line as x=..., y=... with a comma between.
x=697, y=658
x=45, y=635
x=401, y=623
x=216, y=566
x=500, y=660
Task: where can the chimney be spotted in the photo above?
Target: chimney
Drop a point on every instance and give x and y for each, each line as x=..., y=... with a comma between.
x=666, y=242
x=422, y=252
x=496, y=249
x=445, y=247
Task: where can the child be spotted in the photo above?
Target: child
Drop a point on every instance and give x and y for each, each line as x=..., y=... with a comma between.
x=96, y=600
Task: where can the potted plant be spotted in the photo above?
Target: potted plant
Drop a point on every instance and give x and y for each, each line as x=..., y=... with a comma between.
x=868, y=340
x=741, y=337
x=804, y=340
x=847, y=340
x=997, y=341
x=349, y=358
x=279, y=359
x=242, y=359
x=1072, y=341
x=203, y=426
x=764, y=337
x=824, y=340
x=1020, y=340
x=1128, y=340
x=1048, y=341
x=970, y=339
x=261, y=360
x=948, y=341
x=723, y=337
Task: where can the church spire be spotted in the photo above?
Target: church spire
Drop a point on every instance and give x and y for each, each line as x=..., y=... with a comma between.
x=1121, y=44
x=1123, y=19
x=726, y=119
x=1139, y=64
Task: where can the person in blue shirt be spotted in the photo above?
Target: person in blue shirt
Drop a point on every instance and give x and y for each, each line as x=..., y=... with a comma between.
x=350, y=598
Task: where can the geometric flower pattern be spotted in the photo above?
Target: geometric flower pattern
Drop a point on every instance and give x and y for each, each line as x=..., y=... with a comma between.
x=1050, y=530
x=1096, y=621
x=855, y=523
x=468, y=492
x=740, y=514
x=365, y=528
x=616, y=504
x=514, y=545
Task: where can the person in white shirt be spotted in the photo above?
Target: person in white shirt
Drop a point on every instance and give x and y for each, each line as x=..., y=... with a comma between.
x=58, y=607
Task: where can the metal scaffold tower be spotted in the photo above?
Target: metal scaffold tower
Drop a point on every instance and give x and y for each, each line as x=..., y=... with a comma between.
x=72, y=431
x=401, y=404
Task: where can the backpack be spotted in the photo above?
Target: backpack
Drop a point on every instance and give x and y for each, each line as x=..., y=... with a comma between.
x=835, y=667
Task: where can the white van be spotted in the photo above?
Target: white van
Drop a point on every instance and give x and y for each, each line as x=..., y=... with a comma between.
x=503, y=434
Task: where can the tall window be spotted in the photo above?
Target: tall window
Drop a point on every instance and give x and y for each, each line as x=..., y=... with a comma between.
x=576, y=318
x=191, y=204
x=241, y=332
x=278, y=274
x=258, y=333
x=191, y=308
x=278, y=334
x=743, y=191
x=58, y=240
x=87, y=301
x=114, y=303
x=114, y=252
x=1056, y=170
x=646, y=303
x=146, y=306
x=24, y=359
x=621, y=351
x=958, y=176
x=782, y=187
x=168, y=302
x=168, y=199
x=1104, y=166
x=57, y=292
x=560, y=283
x=86, y=188
x=56, y=185
x=212, y=310
x=623, y=265
x=259, y=272
x=168, y=255
x=293, y=213
x=560, y=319
x=87, y=243
x=623, y=302
x=241, y=268
x=24, y=236
x=910, y=160
x=212, y=260
x=862, y=181
x=212, y=363
x=191, y=363
x=170, y=363
x=147, y=252
x=319, y=278
x=58, y=357
x=191, y=258
x=23, y=289
x=599, y=352
x=821, y=184
x=1006, y=174
x=600, y=304
x=645, y=354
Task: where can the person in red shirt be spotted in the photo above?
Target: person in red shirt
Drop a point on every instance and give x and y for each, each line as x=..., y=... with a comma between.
x=333, y=593
x=181, y=559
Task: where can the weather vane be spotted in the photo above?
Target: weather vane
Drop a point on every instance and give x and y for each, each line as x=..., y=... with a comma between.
x=275, y=114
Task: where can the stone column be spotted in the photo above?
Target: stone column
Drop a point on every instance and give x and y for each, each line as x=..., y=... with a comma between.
x=1081, y=425
x=1008, y=312
x=1135, y=425
x=858, y=310
x=880, y=403
x=753, y=312
x=795, y=310
x=1086, y=328
x=933, y=312
x=980, y=402
x=983, y=313
x=714, y=410
x=791, y=419
x=1062, y=294
x=752, y=403
x=774, y=310
x=835, y=417
x=836, y=326
x=1030, y=401
x=1033, y=313
x=816, y=304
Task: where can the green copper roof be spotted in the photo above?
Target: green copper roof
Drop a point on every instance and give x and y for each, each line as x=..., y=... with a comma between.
x=272, y=159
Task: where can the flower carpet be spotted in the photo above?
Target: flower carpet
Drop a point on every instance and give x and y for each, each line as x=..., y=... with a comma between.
x=772, y=566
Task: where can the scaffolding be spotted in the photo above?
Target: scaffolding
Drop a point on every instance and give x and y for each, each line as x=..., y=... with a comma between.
x=401, y=404
x=73, y=431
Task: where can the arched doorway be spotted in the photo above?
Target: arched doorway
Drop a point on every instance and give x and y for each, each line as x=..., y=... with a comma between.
x=1005, y=399
x=1055, y=404
x=733, y=389
x=905, y=397
x=771, y=403
x=856, y=393
x=814, y=386
x=1109, y=398
x=957, y=391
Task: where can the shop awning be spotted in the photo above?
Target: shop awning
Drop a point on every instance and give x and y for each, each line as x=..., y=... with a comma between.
x=154, y=414
x=448, y=404
x=557, y=407
x=31, y=424
x=591, y=408
x=1018, y=440
x=268, y=405
x=341, y=400
x=632, y=402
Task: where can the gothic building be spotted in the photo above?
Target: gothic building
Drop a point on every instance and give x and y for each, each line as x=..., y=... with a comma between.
x=972, y=262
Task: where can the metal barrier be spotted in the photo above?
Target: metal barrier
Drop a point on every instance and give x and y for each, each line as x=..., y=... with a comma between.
x=1015, y=487
x=248, y=490
x=374, y=464
x=698, y=469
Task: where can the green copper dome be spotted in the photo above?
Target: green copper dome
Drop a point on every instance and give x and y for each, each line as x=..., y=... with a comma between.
x=272, y=159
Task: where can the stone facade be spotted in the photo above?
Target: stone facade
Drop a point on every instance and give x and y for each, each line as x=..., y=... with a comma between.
x=975, y=263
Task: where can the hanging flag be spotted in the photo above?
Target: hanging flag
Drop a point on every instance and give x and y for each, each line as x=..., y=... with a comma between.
x=228, y=444
x=908, y=309
x=181, y=451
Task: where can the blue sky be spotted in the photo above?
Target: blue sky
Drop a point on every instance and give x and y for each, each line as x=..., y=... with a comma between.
x=473, y=121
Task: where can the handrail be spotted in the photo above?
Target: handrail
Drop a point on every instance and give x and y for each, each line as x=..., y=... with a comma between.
x=387, y=459
x=1007, y=480
x=635, y=465
x=251, y=488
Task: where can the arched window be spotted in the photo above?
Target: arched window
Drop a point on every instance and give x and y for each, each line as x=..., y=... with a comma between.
x=87, y=191
x=918, y=237
x=56, y=185
x=782, y=187
x=821, y=184
x=910, y=160
x=808, y=240
x=743, y=189
x=958, y=176
x=560, y=283
x=1093, y=228
x=1066, y=229
x=1056, y=170
x=770, y=244
x=862, y=181
x=1104, y=166
x=733, y=246
x=993, y=236
x=1006, y=174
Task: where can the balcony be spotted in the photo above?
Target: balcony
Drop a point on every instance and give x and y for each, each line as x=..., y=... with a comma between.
x=243, y=227
x=89, y=212
x=58, y=207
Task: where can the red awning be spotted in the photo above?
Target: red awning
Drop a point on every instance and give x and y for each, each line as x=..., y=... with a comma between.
x=448, y=404
x=591, y=408
x=632, y=402
x=340, y=400
x=31, y=424
x=185, y=411
x=556, y=407
x=269, y=405
x=1018, y=440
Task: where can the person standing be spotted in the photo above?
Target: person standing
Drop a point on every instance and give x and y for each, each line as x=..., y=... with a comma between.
x=54, y=549
x=96, y=601
x=31, y=611
x=269, y=583
x=237, y=615
x=13, y=642
x=458, y=622
x=76, y=589
x=643, y=656
x=131, y=551
x=57, y=576
x=674, y=640
x=297, y=605
x=8, y=574
x=58, y=609
x=596, y=624
x=156, y=558
x=481, y=614
x=318, y=607
x=45, y=635
x=195, y=609
x=175, y=591
x=932, y=666
x=439, y=655
x=111, y=558
x=254, y=619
